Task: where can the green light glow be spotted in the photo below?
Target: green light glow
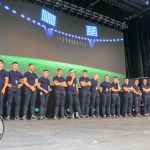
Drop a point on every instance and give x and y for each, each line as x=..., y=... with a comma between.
x=52, y=66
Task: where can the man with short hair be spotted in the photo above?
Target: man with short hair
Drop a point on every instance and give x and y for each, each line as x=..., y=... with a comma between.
x=60, y=94
x=44, y=87
x=73, y=92
x=128, y=99
x=137, y=97
x=105, y=89
x=3, y=84
x=115, y=97
x=95, y=96
x=14, y=90
x=31, y=82
x=85, y=83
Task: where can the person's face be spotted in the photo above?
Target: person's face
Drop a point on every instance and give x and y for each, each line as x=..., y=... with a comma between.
x=115, y=80
x=59, y=72
x=126, y=81
x=46, y=73
x=144, y=81
x=96, y=76
x=32, y=68
x=136, y=82
x=1, y=64
x=72, y=73
x=15, y=66
x=85, y=74
x=106, y=78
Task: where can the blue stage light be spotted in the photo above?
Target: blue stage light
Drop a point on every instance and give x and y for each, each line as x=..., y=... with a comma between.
x=6, y=7
x=48, y=17
x=23, y=16
x=28, y=19
x=33, y=21
x=14, y=11
x=91, y=31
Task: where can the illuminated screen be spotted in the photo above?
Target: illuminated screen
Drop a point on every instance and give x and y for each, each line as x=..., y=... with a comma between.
x=34, y=34
x=91, y=31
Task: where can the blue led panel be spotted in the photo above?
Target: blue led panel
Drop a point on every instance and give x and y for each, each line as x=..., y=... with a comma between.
x=48, y=17
x=91, y=31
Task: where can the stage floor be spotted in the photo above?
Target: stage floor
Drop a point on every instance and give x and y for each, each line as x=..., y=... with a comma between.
x=79, y=134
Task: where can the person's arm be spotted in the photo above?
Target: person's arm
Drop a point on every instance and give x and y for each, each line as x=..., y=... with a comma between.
x=56, y=83
x=25, y=82
x=49, y=88
x=119, y=87
x=101, y=89
x=36, y=82
x=127, y=89
x=64, y=84
x=134, y=91
x=5, y=85
x=89, y=83
x=77, y=89
x=40, y=88
x=20, y=84
x=71, y=81
x=114, y=90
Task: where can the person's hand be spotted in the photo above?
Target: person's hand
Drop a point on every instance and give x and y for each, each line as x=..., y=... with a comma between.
x=49, y=89
x=9, y=85
x=32, y=88
x=3, y=91
x=45, y=91
x=73, y=76
x=19, y=86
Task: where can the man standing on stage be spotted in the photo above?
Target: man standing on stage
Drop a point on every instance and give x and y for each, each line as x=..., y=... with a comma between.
x=44, y=87
x=3, y=85
x=146, y=97
x=14, y=90
x=115, y=97
x=73, y=92
x=128, y=100
x=85, y=83
x=31, y=82
x=106, y=97
x=137, y=96
x=95, y=96
x=60, y=94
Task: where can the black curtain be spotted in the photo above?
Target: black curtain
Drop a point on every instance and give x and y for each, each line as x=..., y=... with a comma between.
x=137, y=46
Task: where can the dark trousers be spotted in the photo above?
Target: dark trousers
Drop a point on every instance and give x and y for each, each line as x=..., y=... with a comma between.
x=85, y=96
x=59, y=100
x=127, y=104
x=1, y=104
x=146, y=100
x=95, y=99
x=13, y=93
x=106, y=100
x=115, y=99
x=43, y=99
x=29, y=97
x=137, y=102
x=73, y=96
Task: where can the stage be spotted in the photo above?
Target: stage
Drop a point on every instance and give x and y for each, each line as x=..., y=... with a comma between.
x=78, y=134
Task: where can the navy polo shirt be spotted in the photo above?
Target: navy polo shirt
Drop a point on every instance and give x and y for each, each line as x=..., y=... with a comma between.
x=137, y=89
x=115, y=86
x=106, y=87
x=44, y=82
x=146, y=87
x=59, y=79
x=94, y=86
x=14, y=77
x=126, y=93
x=30, y=77
x=3, y=74
x=73, y=86
x=83, y=79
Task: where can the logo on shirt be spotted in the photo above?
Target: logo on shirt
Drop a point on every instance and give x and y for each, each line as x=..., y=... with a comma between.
x=1, y=128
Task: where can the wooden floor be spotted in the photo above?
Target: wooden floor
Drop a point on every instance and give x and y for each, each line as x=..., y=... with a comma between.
x=78, y=134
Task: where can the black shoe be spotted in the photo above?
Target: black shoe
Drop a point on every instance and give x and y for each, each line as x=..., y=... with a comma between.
x=63, y=118
x=17, y=118
x=93, y=116
x=87, y=116
x=109, y=116
x=82, y=117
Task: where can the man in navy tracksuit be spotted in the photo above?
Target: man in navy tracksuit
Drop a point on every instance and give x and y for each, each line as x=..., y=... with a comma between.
x=95, y=98
x=60, y=94
x=73, y=92
x=3, y=85
x=14, y=90
x=128, y=99
x=44, y=87
x=115, y=97
x=85, y=83
x=146, y=97
x=106, y=97
x=137, y=96
x=31, y=82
